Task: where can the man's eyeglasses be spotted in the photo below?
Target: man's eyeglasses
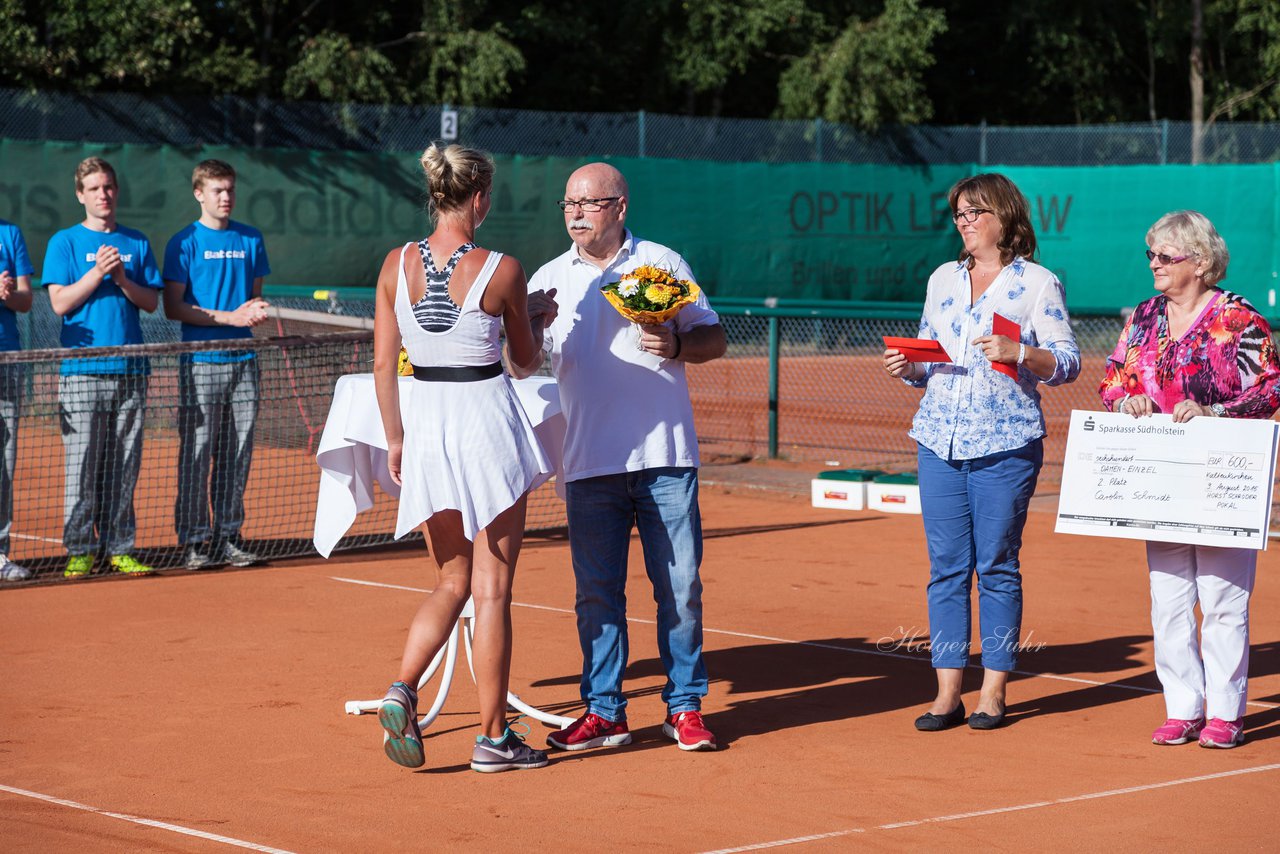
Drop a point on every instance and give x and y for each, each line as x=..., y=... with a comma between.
x=587, y=205
x=969, y=214
x=1166, y=260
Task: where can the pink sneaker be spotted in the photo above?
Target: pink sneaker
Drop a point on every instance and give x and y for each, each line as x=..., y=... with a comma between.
x=1224, y=734
x=1177, y=731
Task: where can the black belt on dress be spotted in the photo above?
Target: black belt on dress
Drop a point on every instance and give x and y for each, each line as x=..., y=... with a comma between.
x=463, y=374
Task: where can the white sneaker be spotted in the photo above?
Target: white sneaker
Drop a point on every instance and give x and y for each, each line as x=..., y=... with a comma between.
x=10, y=571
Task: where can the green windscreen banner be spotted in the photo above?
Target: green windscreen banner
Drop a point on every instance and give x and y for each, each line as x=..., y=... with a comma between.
x=794, y=231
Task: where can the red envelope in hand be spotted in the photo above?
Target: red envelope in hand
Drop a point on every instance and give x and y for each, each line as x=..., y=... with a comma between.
x=917, y=349
x=1001, y=325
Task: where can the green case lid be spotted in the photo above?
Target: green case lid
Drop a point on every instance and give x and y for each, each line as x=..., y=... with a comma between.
x=850, y=474
x=905, y=477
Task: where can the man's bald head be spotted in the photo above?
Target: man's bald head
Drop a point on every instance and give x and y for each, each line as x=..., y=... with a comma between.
x=598, y=234
x=600, y=178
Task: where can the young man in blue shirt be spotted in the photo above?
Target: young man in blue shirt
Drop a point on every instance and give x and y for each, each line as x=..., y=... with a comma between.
x=213, y=272
x=98, y=275
x=15, y=296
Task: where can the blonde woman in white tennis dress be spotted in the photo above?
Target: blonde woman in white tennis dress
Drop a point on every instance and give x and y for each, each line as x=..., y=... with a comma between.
x=464, y=453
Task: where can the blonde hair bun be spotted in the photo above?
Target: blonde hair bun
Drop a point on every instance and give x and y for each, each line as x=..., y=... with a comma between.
x=454, y=174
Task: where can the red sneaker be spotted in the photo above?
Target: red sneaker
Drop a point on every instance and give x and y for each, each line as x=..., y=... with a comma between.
x=590, y=730
x=689, y=731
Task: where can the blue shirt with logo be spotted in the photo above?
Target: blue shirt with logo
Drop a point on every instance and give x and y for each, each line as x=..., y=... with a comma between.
x=14, y=259
x=107, y=318
x=218, y=267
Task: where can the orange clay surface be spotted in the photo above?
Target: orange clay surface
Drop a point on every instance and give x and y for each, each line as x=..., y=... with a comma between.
x=214, y=703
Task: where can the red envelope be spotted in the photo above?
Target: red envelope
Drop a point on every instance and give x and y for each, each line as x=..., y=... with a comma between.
x=1001, y=325
x=917, y=349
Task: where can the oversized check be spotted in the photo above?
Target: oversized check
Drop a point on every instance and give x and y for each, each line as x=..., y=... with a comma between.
x=1206, y=482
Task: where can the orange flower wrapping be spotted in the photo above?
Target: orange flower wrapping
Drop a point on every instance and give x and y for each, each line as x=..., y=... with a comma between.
x=649, y=295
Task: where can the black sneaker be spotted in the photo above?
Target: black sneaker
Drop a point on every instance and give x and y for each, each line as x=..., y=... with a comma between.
x=508, y=753
x=237, y=555
x=197, y=556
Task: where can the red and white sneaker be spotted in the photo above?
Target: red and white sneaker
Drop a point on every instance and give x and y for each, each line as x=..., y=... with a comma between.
x=1224, y=734
x=1177, y=731
x=689, y=731
x=590, y=730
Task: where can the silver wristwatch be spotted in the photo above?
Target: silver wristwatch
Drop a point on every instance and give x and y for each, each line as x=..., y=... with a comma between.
x=1218, y=410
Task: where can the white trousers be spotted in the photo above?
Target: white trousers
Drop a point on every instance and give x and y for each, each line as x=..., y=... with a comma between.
x=1206, y=676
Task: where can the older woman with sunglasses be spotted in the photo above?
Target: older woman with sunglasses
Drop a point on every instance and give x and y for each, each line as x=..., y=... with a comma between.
x=979, y=430
x=1196, y=350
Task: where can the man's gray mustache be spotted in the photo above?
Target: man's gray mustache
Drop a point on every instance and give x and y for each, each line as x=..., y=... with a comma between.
x=582, y=223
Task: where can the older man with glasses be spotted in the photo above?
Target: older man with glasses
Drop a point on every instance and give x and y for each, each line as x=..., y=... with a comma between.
x=630, y=458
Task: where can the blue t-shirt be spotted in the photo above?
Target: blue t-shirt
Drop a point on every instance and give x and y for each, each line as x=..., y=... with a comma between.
x=106, y=318
x=14, y=259
x=219, y=268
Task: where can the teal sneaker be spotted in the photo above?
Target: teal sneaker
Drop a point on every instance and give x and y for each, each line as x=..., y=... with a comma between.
x=401, y=737
x=508, y=753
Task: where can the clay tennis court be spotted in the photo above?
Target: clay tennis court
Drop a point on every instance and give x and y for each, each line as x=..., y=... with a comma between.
x=204, y=712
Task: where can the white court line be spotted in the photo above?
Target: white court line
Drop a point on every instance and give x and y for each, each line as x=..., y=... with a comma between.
x=836, y=647
x=796, y=840
x=148, y=822
x=34, y=537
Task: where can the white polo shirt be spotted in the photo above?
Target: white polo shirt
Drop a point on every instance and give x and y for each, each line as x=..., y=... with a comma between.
x=625, y=409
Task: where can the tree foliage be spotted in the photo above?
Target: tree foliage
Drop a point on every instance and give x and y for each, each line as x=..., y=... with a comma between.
x=870, y=73
x=865, y=62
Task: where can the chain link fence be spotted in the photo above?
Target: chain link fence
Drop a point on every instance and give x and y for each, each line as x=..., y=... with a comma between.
x=804, y=384
x=813, y=388
x=119, y=117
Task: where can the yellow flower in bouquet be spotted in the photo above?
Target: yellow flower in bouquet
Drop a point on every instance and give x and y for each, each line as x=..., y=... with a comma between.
x=404, y=367
x=649, y=294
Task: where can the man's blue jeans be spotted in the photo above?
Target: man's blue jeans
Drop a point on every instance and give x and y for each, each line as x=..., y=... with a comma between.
x=663, y=504
x=974, y=512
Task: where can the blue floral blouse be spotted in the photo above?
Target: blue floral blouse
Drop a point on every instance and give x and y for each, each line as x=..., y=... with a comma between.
x=970, y=410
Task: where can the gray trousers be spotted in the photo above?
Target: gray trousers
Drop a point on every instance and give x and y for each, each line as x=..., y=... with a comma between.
x=217, y=410
x=11, y=377
x=102, y=418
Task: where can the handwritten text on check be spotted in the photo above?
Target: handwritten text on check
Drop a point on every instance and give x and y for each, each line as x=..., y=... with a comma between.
x=1207, y=481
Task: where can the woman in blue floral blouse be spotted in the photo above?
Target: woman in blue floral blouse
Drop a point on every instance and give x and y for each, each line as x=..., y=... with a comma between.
x=979, y=432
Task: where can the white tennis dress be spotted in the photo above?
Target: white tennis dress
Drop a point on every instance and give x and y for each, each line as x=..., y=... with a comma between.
x=468, y=446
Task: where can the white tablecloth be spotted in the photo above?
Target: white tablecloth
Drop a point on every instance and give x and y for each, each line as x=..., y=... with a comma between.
x=353, y=449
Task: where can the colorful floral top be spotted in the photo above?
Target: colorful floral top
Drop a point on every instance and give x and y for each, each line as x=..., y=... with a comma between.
x=970, y=410
x=1226, y=356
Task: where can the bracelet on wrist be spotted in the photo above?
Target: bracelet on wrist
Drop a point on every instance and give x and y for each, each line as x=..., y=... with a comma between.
x=1022, y=353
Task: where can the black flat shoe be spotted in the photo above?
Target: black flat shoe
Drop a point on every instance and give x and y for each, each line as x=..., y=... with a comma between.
x=982, y=720
x=929, y=722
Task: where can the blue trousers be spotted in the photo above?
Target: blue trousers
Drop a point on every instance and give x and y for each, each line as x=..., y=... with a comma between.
x=663, y=504
x=974, y=512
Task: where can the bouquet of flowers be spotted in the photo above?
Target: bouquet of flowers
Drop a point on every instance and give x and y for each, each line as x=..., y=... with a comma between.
x=649, y=294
